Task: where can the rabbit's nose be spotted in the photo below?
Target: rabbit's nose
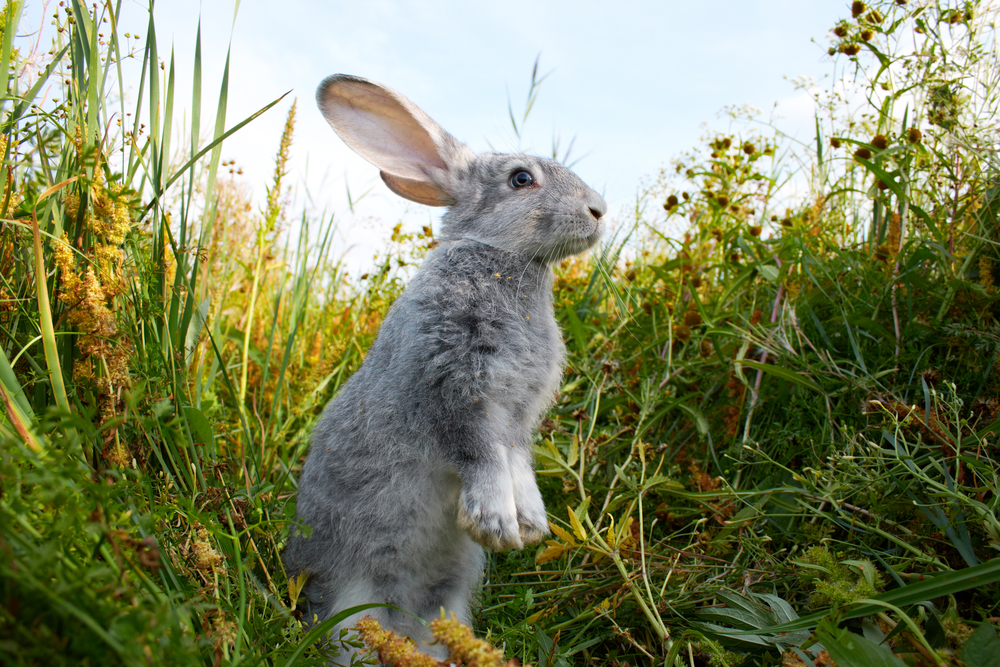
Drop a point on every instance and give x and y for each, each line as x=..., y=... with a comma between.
x=596, y=205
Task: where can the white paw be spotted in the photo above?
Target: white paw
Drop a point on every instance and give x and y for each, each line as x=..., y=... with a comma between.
x=532, y=520
x=488, y=522
x=533, y=523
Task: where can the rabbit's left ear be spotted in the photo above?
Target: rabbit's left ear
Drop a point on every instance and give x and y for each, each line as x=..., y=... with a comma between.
x=417, y=158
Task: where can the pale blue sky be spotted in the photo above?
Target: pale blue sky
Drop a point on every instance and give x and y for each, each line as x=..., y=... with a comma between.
x=633, y=81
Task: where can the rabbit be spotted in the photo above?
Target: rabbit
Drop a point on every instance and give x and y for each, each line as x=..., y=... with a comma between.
x=424, y=457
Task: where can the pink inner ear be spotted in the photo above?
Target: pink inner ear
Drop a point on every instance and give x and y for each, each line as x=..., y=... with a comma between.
x=385, y=129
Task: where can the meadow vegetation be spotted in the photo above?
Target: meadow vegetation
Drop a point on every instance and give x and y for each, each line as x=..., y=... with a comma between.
x=776, y=442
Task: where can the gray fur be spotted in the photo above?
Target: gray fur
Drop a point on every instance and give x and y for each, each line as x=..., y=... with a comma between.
x=425, y=454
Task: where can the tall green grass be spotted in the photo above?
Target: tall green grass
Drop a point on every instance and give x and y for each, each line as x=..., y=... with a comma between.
x=777, y=433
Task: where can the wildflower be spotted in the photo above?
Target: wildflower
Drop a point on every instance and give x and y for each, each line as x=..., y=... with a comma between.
x=895, y=230
x=463, y=646
x=857, y=8
x=914, y=136
x=863, y=153
x=835, y=142
x=880, y=141
x=986, y=272
x=392, y=649
x=850, y=49
x=755, y=230
x=866, y=35
x=273, y=210
x=840, y=31
x=692, y=318
x=749, y=148
x=206, y=558
x=723, y=200
x=671, y=203
x=874, y=17
x=682, y=333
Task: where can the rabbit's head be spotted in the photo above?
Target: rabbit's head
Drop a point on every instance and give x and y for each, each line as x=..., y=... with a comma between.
x=527, y=205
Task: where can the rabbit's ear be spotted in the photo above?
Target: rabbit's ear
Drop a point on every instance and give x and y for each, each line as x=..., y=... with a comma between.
x=416, y=157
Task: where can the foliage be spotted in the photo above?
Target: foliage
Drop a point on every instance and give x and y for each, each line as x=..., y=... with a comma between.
x=776, y=440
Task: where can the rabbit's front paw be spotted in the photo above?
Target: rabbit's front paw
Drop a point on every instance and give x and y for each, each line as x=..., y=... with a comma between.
x=532, y=521
x=488, y=522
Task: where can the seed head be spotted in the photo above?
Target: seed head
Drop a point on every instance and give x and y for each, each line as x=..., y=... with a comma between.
x=840, y=31
x=850, y=49
x=857, y=8
x=914, y=136
x=986, y=271
x=835, y=142
x=880, y=141
x=863, y=153
x=463, y=646
x=866, y=35
x=392, y=649
x=692, y=318
x=756, y=230
x=749, y=148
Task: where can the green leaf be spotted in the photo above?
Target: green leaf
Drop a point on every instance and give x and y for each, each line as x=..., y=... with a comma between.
x=784, y=374
x=982, y=648
x=195, y=326
x=769, y=272
x=933, y=587
x=576, y=326
x=883, y=176
x=201, y=428
x=851, y=650
x=700, y=422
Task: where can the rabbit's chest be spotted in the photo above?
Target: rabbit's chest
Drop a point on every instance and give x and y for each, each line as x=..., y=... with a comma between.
x=526, y=372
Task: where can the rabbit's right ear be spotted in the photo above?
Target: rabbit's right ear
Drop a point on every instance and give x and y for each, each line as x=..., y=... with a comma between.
x=417, y=158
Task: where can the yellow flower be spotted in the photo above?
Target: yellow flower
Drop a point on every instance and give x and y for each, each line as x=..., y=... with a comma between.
x=392, y=649
x=463, y=645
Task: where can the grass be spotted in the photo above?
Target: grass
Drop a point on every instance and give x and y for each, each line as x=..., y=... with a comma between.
x=775, y=443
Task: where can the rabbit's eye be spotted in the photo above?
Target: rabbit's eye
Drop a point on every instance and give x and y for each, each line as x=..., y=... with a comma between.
x=521, y=179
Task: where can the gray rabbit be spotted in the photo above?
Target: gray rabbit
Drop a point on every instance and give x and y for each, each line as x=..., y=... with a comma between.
x=425, y=454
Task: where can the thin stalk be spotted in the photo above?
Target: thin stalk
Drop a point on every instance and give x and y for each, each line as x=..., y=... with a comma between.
x=249, y=324
x=45, y=321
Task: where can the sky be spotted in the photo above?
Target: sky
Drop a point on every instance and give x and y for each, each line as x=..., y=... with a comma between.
x=632, y=83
